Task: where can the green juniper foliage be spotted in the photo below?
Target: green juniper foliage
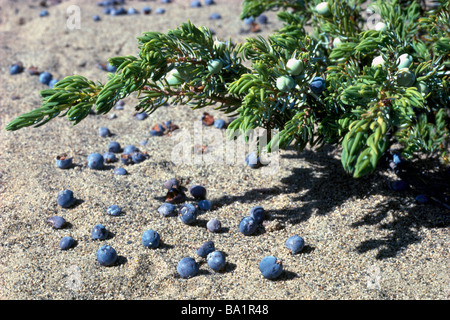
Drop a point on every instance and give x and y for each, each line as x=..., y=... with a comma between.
x=385, y=83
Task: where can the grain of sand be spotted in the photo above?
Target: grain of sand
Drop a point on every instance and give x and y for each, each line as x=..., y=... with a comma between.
x=362, y=240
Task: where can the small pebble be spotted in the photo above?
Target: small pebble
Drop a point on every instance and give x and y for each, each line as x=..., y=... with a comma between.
x=274, y=226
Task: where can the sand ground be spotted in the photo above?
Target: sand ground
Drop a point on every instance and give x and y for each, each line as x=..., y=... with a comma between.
x=362, y=240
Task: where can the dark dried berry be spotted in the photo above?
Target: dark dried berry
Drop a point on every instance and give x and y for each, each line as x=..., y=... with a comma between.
x=207, y=119
x=157, y=130
x=175, y=196
x=170, y=127
x=33, y=71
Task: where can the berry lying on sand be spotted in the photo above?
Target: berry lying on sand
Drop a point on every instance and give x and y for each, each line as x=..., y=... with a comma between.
x=66, y=243
x=57, y=222
x=150, y=239
x=295, y=244
x=216, y=260
x=106, y=255
x=271, y=267
x=65, y=198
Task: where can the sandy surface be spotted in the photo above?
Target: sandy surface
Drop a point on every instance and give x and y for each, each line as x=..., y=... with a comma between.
x=363, y=241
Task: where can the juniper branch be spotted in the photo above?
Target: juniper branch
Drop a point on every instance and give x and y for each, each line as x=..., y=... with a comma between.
x=364, y=107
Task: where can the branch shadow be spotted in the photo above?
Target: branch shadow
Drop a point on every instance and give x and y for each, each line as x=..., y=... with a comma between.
x=323, y=186
x=402, y=228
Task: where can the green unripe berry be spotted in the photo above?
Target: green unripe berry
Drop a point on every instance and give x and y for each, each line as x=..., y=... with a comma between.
x=285, y=83
x=219, y=45
x=323, y=9
x=294, y=66
x=404, y=61
x=214, y=66
x=422, y=88
x=405, y=78
x=174, y=78
x=380, y=26
x=337, y=42
x=378, y=61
